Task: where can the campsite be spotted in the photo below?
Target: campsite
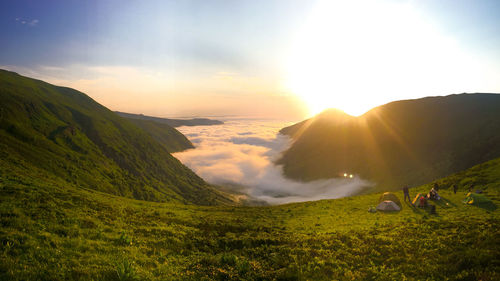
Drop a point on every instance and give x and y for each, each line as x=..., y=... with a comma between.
x=99, y=235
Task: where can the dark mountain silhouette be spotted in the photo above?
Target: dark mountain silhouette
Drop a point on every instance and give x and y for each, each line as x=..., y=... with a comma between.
x=173, y=122
x=71, y=137
x=403, y=142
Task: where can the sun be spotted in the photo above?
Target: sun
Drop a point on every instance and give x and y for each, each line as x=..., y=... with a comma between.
x=355, y=55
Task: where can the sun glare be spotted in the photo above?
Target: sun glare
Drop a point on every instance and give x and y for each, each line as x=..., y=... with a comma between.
x=354, y=55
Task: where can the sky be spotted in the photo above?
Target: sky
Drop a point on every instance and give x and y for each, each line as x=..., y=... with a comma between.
x=284, y=59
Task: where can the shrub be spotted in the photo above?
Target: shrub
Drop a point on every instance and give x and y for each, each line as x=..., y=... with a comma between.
x=124, y=239
x=243, y=267
x=228, y=259
x=125, y=271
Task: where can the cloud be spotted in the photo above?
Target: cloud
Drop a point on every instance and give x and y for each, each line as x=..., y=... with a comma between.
x=33, y=22
x=240, y=155
x=27, y=22
x=271, y=144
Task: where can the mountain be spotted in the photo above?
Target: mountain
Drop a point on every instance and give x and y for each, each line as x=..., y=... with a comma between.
x=173, y=122
x=403, y=142
x=63, y=133
x=169, y=137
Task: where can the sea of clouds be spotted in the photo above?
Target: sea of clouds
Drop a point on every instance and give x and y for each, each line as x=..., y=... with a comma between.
x=240, y=155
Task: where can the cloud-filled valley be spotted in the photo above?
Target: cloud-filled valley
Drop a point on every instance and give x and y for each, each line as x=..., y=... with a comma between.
x=240, y=155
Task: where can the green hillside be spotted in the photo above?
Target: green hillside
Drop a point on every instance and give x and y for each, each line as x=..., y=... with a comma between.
x=404, y=142
x=71, y=137
x=169, y=137
x=54, y=231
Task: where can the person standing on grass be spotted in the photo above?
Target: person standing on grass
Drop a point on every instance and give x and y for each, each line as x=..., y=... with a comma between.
x=406, y=193
x=455, y=188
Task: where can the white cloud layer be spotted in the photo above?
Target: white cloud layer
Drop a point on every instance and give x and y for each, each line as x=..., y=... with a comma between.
x=240, y=155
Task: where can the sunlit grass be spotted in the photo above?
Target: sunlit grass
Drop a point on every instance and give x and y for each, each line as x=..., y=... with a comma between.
x=51, y=231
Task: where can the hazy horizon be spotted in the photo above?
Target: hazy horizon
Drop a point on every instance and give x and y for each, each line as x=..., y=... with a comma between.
x=292, y=120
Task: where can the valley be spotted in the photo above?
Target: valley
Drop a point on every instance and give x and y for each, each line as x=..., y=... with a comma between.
x=88, y=195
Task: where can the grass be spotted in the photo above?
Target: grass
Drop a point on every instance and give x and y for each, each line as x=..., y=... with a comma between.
x=50, y=231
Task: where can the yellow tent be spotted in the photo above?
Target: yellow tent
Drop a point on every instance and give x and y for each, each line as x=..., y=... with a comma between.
x=416, y=201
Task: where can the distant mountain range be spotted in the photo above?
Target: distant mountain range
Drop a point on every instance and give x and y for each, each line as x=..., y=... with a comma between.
x=172, y=122
x=403, y=142
x=59, y=133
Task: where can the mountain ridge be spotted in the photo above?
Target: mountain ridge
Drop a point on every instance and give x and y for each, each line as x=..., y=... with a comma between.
x=402, y=142
x=172, y=122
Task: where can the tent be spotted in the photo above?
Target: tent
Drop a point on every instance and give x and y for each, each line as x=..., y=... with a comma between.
x=475, y=198
x=388, y=196
x=388, y=206
x=416, y=201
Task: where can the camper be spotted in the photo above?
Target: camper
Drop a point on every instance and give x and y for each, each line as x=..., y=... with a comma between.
x=419, y=201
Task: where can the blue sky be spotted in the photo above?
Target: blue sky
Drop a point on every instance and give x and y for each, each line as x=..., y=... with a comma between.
x=225, y=54
x=149, y=33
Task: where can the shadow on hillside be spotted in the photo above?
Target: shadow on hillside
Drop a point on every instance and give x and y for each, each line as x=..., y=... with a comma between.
x=423, y=211
x=489, y=206
x=389, y=212
x=416, y=210
x=444, y=203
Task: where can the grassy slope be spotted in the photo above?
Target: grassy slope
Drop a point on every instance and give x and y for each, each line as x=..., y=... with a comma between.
x=72, y=137
x=169, y=137
x=404, y=142
x=51, y=231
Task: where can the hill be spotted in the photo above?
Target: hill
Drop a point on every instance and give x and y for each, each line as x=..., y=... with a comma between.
x=169, y=137
x=404, y=142
x=65, y=134
x=54, y=231
x=173, y=122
